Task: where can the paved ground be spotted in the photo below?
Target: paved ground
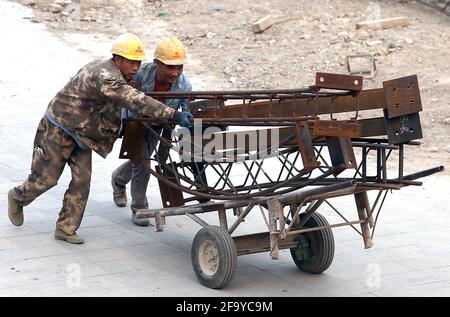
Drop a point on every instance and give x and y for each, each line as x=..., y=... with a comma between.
x=411, y=256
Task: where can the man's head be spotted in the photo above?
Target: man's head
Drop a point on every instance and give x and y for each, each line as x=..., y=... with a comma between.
x=170, y=56
x=128, y=52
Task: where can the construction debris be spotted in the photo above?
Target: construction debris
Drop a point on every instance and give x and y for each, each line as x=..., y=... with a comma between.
x=263, y=23
x=361, y=64
x=442, y=5
x=383, y=23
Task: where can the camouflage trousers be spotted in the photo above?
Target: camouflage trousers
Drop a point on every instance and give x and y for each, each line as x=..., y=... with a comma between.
x=53, y=149
x=139, y=174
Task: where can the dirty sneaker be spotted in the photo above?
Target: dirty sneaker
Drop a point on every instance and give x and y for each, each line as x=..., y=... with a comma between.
x=119, y=194
x=15, y=211
x=71, y=238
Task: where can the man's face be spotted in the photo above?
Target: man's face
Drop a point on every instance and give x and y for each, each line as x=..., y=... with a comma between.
x=128, y=67
x=168, y=74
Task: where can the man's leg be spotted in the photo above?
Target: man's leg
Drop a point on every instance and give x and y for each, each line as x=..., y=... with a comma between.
x=141, y=177
x=47, y=164
x=75, y=197
x=119, y=179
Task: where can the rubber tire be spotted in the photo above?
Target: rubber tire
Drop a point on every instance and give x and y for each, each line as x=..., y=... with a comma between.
x=321, y=244
x=226, y=252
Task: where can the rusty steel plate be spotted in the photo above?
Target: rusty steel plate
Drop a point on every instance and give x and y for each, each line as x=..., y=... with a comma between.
x=339, y=82
x=402, y=96
x=133, y=139
x=336, y=128
x=170, y=197
x=341, y=152
x=403, y=129
x=305, y=145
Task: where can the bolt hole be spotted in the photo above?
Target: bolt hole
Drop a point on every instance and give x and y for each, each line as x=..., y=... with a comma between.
x=125, y=153
x=411, y=130
x=396, y=132
x=168, y=203
x=356, y=82
x=397, y=105
x=321, y=79
x=411, y=102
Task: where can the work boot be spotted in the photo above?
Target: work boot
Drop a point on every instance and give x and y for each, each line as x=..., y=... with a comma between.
x=119, y=194
x=143, y=222
x=202, y=200
x=15, y=211
x=71, y=238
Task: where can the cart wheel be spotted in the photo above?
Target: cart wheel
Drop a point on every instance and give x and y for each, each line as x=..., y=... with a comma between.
x=214, y=257
x=315, y=250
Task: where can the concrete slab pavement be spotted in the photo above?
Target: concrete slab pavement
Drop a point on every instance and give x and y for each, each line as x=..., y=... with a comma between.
x=411, y=255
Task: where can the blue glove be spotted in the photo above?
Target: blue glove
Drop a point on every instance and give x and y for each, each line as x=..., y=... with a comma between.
x=183, y=118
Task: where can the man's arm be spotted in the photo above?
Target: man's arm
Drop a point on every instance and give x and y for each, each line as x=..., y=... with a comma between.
x=127, y=97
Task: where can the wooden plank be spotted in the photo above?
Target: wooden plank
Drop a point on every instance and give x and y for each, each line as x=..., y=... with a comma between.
x=383, y=23
x=262, y=24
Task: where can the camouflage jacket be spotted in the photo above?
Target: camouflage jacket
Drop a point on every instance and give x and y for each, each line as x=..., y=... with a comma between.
x=90, y=105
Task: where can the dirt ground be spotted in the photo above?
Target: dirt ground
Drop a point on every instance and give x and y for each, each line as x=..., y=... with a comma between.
x=309, y=37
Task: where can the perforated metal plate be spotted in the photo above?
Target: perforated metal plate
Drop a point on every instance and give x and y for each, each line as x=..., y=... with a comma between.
x=402, y=96
x=339, y=82
x=403, y=129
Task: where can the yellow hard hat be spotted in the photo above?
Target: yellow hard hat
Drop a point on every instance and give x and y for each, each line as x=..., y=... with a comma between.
x=170, y=51
x=129, y=46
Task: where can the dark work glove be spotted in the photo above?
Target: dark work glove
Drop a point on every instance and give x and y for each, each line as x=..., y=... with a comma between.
x=183, y=118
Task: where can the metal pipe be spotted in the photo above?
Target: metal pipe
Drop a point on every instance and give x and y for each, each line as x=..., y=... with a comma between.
x=293, y=197
x=325, y=227
x=384, y=163
x=241, y=217
x=174, y=94
x=424, y=173
x=368, y=145
x=247, y=94
x=400, y=163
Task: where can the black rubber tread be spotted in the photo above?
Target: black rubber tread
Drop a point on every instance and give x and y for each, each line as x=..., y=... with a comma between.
x=227, y=256
x=322, y=246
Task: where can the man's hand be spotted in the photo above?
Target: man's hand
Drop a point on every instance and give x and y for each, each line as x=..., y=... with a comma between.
x=183, y=118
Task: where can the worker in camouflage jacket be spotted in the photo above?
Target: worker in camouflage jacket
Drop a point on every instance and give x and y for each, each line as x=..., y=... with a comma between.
x=84, y=116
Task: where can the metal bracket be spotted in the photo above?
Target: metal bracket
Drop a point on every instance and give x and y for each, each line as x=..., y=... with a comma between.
x=403, y=129
x=133, y=139
x=336, y=128
x=305, y=145
x=402, y=96
x=170, y=197
x=339, y=82
x=341, y=152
